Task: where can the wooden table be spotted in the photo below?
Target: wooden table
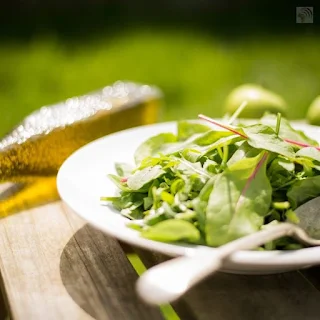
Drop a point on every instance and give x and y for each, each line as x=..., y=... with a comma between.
x=54, y=266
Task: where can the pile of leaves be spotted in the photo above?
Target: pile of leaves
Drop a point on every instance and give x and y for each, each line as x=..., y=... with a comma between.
x=211, y=184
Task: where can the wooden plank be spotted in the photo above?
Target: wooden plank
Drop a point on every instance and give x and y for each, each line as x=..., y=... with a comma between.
x=54, y=267
x=286, y=296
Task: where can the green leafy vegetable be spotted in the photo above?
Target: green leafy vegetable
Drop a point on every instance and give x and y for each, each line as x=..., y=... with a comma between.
x=151, y=146
x=240, y=199
x=189, y=128
x=172, y=230
x=265, y=138
x=304, y=190
x=286, y=130
x=123, y=169
x=310, y=153
x=213, y=184
x=142, y=177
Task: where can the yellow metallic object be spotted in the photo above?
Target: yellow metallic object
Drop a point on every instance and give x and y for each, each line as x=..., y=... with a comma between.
x=34, y=151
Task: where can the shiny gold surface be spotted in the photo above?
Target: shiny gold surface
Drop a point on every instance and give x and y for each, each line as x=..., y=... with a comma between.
x=33, y=152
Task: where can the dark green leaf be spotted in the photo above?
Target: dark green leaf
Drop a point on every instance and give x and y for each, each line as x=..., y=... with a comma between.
x=304, y=190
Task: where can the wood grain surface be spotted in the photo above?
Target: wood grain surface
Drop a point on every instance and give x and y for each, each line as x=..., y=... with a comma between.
x=55, y=267
x=286, y=296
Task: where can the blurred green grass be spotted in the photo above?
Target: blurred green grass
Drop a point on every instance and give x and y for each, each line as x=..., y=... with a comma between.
x=194, y=69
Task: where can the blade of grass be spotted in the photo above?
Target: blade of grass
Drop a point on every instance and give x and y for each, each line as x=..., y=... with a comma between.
x=167, y=311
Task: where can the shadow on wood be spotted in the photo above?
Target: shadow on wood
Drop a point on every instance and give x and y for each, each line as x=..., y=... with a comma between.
x=286, y=296
x=100, y=279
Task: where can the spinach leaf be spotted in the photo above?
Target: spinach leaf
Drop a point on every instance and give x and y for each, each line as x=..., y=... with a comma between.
x=244, y=151
x=199, y=142
x=304, y=190
x=121, y=185
x=143, y=177
x=211, y=137
x=263, y=137
x=188, y=167
x=310, y=153
x=188, y=128
x=240, y=199
x=191, y=155
x=222, y=142
x=286, y=130
x=280, y=172
x=123, y=169
x=151, y=146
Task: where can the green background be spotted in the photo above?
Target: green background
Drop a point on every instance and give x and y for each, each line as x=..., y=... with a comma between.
x=196, y=55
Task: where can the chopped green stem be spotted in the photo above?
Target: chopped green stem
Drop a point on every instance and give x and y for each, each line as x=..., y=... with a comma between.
x=220, y=153
x=225, y=155
x=278, y=123
x=237, y=112
x=284, y=205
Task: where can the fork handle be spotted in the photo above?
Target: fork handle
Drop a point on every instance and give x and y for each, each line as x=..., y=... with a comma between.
x=168, y=281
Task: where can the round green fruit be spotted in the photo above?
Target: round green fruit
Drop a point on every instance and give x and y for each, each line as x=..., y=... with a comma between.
x=313, y=114
x=259, y=100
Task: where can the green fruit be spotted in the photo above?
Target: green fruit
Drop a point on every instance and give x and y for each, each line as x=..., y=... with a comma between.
x=313, y=114
x=259, y=100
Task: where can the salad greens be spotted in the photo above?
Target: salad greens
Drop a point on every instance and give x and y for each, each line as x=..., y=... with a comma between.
x=211, y=184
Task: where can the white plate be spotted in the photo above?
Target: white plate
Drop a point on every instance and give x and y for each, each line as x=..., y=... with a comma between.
x=82, y=180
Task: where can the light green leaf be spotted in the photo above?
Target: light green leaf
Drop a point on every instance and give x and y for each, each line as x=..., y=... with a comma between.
x=286, y=130
x=310, y=153
x=188, y=128
x=240, y=199
x=222, y=142
x=143, y=177
x=200, y=142
x=172, y=230
x=123, y=169
x=244, y=151
x=151, y=146
x=263, y=137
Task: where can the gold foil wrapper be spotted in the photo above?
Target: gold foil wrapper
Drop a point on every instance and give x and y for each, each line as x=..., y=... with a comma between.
x=33, y=152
